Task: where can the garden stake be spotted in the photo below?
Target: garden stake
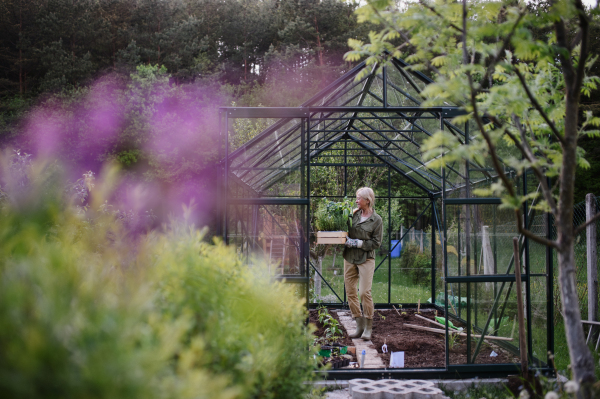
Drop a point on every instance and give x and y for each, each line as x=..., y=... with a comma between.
x=512, y=333
x=453, y=309
x=396, y=311
x=419, y=306
x=462, y=334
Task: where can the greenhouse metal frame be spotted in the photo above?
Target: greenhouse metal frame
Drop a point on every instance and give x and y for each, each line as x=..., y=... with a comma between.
x=376, y=123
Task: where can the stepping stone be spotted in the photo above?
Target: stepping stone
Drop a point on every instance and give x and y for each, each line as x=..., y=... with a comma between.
x=394, y=389
x=372, y=361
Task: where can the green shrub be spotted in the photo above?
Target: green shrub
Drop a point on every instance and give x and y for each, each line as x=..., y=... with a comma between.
x=85, y=312
x=415, y=264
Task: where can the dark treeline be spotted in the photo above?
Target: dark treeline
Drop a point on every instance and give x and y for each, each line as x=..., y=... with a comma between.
x=53, y=44
x=139, y=82
x=161, y=68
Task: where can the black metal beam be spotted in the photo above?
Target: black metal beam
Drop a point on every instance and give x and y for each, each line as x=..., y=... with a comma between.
x=473, y=201
x=302, y=112
x=268, y=201
x=453, y=372
x=498, y=278
x=294, y=279
x=372, y=151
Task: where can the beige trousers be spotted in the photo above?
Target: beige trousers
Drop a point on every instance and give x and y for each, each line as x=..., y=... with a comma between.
x=363, y=274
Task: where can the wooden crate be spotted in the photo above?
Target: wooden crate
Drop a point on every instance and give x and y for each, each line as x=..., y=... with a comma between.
x=331, y=237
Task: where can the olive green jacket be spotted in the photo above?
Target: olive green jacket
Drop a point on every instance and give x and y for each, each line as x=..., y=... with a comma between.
x=370, y=232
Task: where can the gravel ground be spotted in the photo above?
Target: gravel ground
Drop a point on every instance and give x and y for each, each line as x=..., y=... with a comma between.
x=339, y=394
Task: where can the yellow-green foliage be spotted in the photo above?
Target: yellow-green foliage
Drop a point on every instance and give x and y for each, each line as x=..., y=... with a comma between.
x=86, y=313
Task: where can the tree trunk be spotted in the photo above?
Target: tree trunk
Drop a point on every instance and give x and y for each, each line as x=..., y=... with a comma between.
x=582, y=363
x=320, y=50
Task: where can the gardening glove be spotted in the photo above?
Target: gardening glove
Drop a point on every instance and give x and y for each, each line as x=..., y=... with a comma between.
x=353, y=243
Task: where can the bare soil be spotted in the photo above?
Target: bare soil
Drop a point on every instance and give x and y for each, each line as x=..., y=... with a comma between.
x=422, y=349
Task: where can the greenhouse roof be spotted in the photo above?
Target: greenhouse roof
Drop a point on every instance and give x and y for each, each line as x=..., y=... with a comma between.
x=381, y=113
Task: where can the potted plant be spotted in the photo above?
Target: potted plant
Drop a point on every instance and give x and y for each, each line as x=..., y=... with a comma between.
x=331, y=221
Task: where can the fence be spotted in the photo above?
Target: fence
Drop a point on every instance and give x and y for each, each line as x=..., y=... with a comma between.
x=412, y=236
x=579, y=217
x=538, y=227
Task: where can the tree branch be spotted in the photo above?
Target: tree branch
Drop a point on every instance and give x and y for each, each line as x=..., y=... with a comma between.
x=561, y=40
x=527, y=233
x=527, y=151
x=488, y=140
x=583, y=53
x=464, y=35
x=433, y=10
x=505, y=44
x=538, y=107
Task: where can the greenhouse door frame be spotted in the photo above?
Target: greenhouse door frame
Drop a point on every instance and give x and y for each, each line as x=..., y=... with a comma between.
x=449, y=371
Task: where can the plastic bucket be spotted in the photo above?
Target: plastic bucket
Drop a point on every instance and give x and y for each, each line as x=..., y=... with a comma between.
x=396, y=251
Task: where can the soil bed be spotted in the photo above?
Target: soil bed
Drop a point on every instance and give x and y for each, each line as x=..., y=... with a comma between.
x=320, y=332
x=422, y=349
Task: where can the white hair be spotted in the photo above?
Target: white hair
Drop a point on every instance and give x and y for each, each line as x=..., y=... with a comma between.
x=368, y=194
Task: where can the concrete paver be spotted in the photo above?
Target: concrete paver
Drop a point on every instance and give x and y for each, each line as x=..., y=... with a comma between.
x=372, y=361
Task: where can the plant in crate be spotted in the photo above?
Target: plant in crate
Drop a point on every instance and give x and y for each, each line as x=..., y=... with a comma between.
x=333, y=216
x=331, y=221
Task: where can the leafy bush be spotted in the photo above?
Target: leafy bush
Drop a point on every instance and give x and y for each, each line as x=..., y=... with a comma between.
x=248, y=329
x=415, y=264
x=333, y=216
x=87, y=312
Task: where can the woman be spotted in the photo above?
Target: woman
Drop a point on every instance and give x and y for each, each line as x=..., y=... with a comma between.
x=364, y=237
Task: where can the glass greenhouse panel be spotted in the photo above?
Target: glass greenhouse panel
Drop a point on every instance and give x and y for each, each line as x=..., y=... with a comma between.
x=400, y=90
x=480, y=240
x=283, y=185
x=539, y=317
x=239, y=189
x=242, y=232
x=327, y=277
x=346, y=94
x=272, y=233
x=486, y=309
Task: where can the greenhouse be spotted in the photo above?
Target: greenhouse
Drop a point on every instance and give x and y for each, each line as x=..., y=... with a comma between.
x=444, y=249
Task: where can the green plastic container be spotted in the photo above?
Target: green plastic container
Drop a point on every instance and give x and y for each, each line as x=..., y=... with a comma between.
x=325, y=352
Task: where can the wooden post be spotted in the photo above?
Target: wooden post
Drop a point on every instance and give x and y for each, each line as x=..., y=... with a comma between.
x=421, y=243
x=317, y=280
x=334, y=254
x=592, y=259
x=488, y=255
x=520, y=310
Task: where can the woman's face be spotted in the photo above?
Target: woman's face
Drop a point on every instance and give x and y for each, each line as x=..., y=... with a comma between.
x=362, y=203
